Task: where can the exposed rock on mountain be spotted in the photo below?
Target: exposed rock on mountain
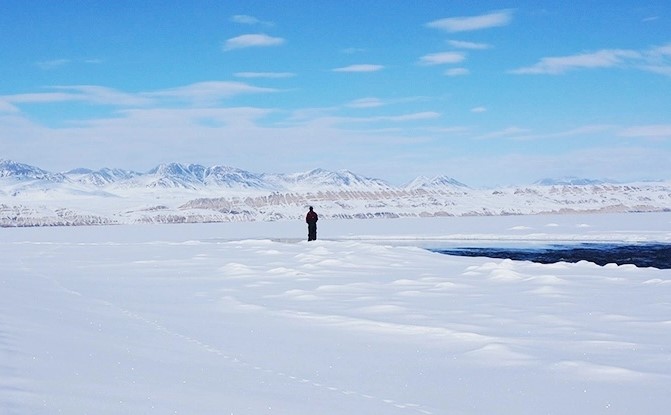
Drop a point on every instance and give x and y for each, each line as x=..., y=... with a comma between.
x=180, y=193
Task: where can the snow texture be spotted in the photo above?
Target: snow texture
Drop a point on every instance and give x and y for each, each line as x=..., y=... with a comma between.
x=248, y=318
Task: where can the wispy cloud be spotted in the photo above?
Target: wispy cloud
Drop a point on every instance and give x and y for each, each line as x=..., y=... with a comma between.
x=6, y=107
x=374, y=102
x=658, y=69
x=351, y=51
x=62, y=62
x=105, y=96
x=360, y=68
x=53, y=64
x=457, y=72
x=601, y=59
x=370, y=102
x=80, y=93
x=656, y=59
x=252, y=40
x=478, y=109
x=426, y=115
x=201, y=93
x=207, y=93
x=264, y=74
x=442, y=58
x=648, y=131
x=509, y=132
x=415, y=116
x=526, y=134
x=469, y=23
x=459, y=44
x=249, y=20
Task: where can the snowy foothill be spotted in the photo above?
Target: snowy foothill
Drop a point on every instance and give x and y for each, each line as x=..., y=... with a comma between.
x=249, y=318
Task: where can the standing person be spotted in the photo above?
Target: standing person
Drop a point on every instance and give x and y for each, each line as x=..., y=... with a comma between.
x=311, y=218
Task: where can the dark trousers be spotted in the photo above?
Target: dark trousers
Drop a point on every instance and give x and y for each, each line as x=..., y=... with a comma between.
x=312, y=231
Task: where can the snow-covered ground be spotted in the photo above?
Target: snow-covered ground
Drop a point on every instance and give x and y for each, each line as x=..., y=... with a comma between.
x=247, y=318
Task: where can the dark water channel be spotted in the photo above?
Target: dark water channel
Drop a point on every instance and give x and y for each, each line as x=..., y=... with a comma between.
x=642, y=255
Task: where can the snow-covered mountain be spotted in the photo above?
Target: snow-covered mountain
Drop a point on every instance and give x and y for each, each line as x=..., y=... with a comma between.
x=100, y=177
x=231, y=177
x=178, y=193
x=20, y=171
x=320, y=179
x=443, y=182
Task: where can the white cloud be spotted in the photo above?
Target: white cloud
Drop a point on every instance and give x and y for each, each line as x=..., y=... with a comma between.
x=457, y=72
x=605, y=58
x=106, y=96
x=351, y=51
x=208, y=92
x=360, y=68
x=53, y=64
x=463, y=24
x=442, y=58
x=366, y=103
x=479, y=109
x=264, y=74
x=252, y=40
x=202, y=93
x=468, y=45
x=82, y=93
x=518, y=133
x=426, y=115
x=658, y=69
x=249, y=20
x=509, y=132
x=585, y=130
x=43, y=97
x=6, y=107
x=664, y=50
x=648, y=131
x=656, y=60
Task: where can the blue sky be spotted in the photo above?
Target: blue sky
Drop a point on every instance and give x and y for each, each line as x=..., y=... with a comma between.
x=488, y=92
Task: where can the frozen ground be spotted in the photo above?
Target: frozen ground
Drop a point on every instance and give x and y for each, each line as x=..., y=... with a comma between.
x=250, y=319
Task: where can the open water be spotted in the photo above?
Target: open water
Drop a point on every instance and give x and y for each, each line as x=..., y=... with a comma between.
x=641, y=255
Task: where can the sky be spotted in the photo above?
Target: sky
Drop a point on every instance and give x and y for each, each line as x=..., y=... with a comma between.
x=489, y=92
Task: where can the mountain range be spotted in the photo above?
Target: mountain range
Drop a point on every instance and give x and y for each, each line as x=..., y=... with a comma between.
x=178, y=193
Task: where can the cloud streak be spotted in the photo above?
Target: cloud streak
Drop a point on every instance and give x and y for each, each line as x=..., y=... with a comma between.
x=360, y=68
x=470, y=23
x=252, y=40
x=207, y=93
x=442, y=58
x=656, y=60
x=80, y=93
x=562, y=64
x=53, y=64
x=249, y=20
x=271, y=75
x=459, y=44
x=457, y=72
x=648, y=131
x=200, y=93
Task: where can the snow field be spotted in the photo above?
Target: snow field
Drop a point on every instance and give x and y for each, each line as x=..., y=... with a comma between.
x=250, y=319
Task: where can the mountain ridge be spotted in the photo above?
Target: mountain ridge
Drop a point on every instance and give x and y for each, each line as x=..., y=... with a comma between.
x=175, y=174
x=187, y=193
